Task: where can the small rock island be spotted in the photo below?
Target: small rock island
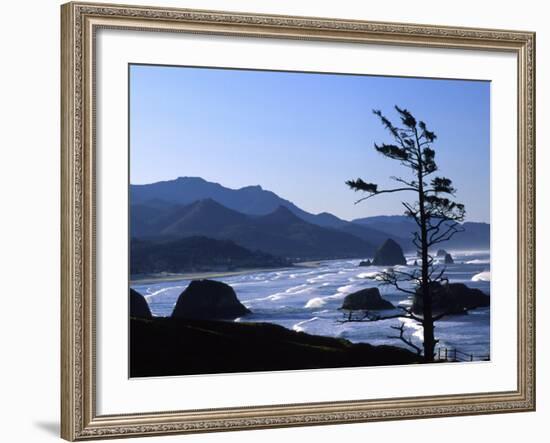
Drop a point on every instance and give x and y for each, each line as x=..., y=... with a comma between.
x=389, y=254
x=209, y=299
x=452, y=298
x=447, y=258
x=366, y=299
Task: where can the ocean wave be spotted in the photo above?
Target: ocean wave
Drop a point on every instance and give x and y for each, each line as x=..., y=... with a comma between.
x=294, y=290
x=345, y=288
x=482, y=276
x=298, y=327
x=477, y=261
x=416, y=327
x=316, y=302
x=316, y=279
x=150, y=293
x=368, y=275
x=341, y=292
x=311, y=299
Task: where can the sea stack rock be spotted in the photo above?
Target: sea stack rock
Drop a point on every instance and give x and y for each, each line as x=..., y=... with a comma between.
x=209, y=299
x=365, y=263
x=365, y=299
x=445, y=256
x=138, y=305
x=389, y=254
x=454, y=298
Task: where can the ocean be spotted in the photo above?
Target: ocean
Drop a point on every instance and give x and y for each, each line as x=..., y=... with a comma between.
x=307, y=299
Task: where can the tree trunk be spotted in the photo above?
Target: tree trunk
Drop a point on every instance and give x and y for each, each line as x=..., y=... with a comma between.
x=427, y=315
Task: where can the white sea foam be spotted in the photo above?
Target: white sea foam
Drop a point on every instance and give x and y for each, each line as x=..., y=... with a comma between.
x=477, y=262
x=345, y=289
x=316, y=302
x=150, y=293
x=369, y=275
x=482, y=276
x=416, y=327
x=298, y=327
x=309, y=302
x=319, y=277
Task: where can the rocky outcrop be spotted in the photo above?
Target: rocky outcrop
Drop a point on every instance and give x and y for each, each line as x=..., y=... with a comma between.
x=455, y=298
x=138, y=305
x=389, y=254
x=366, y=299
x=208, y=299
x=448, y=260
x=365, y=263
x=444, y=257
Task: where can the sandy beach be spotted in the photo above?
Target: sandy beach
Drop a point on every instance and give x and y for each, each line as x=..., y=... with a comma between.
x=158, y=278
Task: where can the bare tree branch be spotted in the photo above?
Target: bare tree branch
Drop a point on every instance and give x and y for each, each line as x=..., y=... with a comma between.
x=447, y=235
x=411, y=314
x=369, y=317
x=390, y=278
x=401, y=336
x=385, y=191
x=411, y=184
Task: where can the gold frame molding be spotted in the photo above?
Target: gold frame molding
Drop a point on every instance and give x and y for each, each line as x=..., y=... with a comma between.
x=79, y=22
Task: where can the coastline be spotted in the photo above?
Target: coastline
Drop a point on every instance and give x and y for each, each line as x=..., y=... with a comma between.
x=306, y=297
x=160, y=278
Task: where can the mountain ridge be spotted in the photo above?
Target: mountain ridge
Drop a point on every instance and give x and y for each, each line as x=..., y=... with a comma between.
x=280, y=233
x=154, y=204
x=249, y=200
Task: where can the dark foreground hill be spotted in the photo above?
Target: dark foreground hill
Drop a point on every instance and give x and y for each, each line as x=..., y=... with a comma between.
x=173, y=346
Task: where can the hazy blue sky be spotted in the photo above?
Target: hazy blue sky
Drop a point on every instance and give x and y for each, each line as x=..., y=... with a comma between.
x=302, y=135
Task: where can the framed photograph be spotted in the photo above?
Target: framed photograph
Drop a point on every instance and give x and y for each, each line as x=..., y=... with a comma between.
x=282, y=221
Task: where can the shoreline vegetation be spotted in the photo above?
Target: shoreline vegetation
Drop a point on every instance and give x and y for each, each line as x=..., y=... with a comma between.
x=168, y=346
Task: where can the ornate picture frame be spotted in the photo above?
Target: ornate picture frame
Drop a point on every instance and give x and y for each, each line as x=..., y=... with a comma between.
x=80, y=22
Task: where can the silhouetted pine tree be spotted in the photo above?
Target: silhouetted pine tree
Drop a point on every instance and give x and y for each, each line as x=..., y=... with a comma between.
x=433, y=210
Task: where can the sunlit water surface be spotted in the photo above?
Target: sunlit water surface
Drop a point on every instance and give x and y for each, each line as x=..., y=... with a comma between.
x=307, y=299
